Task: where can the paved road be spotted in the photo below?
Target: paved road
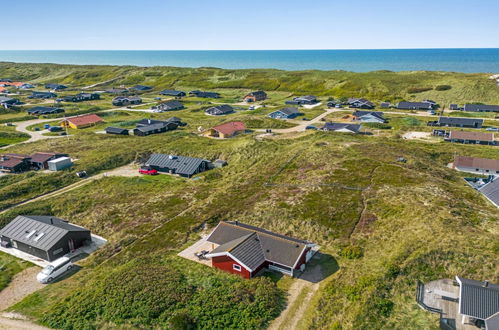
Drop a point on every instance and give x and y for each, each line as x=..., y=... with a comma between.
x=300, y=125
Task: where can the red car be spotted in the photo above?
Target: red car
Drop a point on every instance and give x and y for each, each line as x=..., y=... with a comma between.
x=148, y=171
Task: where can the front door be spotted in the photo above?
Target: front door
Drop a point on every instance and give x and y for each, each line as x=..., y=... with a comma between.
x=71, y=245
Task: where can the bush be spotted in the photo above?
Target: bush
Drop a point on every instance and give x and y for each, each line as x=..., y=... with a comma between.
x=415, y=90
x=443, y=87
x=352, y=252
x=378, y=125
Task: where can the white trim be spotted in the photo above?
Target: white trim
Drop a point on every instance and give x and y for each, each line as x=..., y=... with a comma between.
x=221, y=254
x=298, y=259
x=236, y=266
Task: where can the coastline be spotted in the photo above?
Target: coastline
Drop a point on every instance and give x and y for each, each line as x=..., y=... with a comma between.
x=472, y=60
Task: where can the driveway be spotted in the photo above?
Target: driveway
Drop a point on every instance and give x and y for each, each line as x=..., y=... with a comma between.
x=300, y=127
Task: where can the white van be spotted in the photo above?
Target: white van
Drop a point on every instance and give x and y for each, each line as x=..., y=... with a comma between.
x=54, y=269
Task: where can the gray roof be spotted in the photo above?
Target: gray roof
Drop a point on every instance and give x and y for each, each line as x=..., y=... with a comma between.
x=491, y=191
x=361, y=101
x=52, y=228
x=414, y=105
x=481, y=107
x=288, y=111
x=172, y=92
x=247, y=249
x=478, y=299
x=459, y=121
x=156, y=126
x=117, y=130
x=306, y=98
x=220, y=109
x=251, y=243
x=337, y=126
x=377, y=114
x=181, y=164
x=169, y=105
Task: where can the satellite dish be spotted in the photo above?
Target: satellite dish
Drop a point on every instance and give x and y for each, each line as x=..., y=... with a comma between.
x=200, y=128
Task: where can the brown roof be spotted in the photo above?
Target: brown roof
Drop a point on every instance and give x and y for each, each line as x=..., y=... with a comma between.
x=91, y=118
x=464, y=135
x=18, y=156
x=230, y=127
x=473, y=162
x=11, y=162
x=42, y=157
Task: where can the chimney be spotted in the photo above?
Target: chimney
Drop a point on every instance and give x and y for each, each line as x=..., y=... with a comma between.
x=485, y=284
x=51, y=220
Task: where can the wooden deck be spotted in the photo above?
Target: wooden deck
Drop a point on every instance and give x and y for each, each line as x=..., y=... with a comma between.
x=201, y=245
x=444, y=295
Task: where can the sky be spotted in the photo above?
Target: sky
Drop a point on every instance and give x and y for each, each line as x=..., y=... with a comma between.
x=256, y=24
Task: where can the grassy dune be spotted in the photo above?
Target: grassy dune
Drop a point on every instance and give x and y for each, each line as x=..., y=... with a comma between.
x=385, y=223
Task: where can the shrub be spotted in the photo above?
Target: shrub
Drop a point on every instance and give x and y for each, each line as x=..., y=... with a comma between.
x=352, y=252
x=378, y=125
x=415, y=90
x=443, y=87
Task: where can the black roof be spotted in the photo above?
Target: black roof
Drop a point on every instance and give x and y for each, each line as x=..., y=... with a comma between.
x=38, y=231
x=481, y=107
x=42, y=110
x=257, y=93
x=253, y=245
x=478, y=299
x=116, y=130
x=43, y=93
x=156, y=126
x=181, y=164
x=146, y=122
x=205, y=94
x=55, y=86
x=459, y=121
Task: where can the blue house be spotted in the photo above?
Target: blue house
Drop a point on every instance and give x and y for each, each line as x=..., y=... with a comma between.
x=285, y=113
x=369, y=116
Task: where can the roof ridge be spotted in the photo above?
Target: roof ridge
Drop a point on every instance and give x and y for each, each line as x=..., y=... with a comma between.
x=274, y=236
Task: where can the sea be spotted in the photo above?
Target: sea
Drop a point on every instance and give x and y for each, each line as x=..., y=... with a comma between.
x=455, y=60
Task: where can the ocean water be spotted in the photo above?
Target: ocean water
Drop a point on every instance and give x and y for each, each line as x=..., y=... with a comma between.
x=457, y=60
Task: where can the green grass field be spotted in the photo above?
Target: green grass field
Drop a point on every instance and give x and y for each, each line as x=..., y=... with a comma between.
x=383, y=224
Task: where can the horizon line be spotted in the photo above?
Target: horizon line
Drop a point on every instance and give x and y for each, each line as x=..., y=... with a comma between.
x=231, y=50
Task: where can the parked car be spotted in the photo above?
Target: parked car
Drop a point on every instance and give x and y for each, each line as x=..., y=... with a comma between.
x=310, y=127
x=81, y=174
x=54, y=270
x=492, y=129
x=147, y=171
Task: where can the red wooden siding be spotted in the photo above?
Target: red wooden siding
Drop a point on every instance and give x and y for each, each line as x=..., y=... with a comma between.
x=226, y=264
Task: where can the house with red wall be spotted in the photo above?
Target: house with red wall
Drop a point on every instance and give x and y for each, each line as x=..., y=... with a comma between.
x=245, y=250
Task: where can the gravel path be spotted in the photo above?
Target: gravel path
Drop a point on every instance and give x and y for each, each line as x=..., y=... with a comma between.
x=23, y=284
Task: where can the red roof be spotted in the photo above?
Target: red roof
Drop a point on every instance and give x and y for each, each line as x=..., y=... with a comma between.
x=2, y=89
x=85, y=119
x=230, y=127
x=42, y=157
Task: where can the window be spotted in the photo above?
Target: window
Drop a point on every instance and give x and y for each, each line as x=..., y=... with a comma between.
x=236, y=267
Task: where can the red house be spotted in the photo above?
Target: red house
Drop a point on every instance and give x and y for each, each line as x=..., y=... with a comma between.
x=245, y=250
